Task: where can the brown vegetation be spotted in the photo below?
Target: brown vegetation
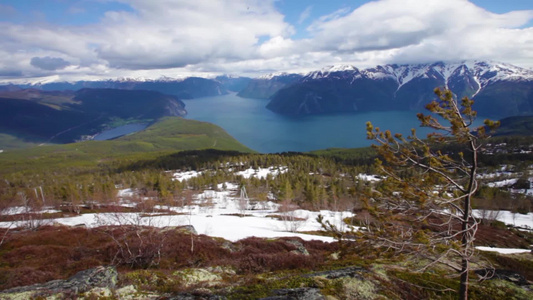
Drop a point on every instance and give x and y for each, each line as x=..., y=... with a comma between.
x=57, y=252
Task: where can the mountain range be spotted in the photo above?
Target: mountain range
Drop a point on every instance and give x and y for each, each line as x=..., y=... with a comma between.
x=500, y=90
x=62, y=112
x=65, y=116
x=188, y=88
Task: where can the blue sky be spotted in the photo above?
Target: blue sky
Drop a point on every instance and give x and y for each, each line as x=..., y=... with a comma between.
x=92, y=39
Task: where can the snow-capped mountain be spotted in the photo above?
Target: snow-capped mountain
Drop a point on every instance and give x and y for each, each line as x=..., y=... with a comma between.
x=483, y=72
x=500, y=89
x=184, y=88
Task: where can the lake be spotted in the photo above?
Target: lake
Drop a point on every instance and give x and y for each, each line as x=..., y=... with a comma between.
x=119, y=131
x=252, y=124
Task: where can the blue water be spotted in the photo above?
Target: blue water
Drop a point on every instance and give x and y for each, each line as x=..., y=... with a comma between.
x=252, y=124
x=120, y=131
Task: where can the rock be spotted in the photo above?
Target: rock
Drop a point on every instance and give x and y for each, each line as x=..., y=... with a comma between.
x=334, y=274
x=191, y=277
x=188, y=229
x=229, y=246
x=184, y=229
x=81, y=282
x=195, y=296
x=508, y=275
x=300, y=247
x=222, y=270
x=297, y=294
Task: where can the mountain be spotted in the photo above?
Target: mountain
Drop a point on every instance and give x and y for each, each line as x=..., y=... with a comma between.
x=65, y=116
x=515, y=126
x=500, y=90
x=188, y=88
x=266, y=86
x=233, y=83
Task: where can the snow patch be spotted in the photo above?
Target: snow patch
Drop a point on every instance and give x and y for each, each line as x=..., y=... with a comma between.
x=262, y=173
x=222, y=213
x=181, y=176
x=503, y=250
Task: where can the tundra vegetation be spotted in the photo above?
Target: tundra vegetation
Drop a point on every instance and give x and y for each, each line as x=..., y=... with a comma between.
x=73, y=179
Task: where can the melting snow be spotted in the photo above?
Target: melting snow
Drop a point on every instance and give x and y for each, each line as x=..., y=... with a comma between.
x=502, y=183
x=181, y=176
x=262, y=173
x=507, y=217
x=218, y=213
x=504, y=250
x=366, y=177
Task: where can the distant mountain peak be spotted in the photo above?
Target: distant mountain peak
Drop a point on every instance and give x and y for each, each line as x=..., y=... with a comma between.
x=272, y=75
x=483, y=71
x=339, y=68
x=408, y=86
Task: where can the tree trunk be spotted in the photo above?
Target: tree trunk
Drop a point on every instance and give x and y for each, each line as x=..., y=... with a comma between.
x=466, y=239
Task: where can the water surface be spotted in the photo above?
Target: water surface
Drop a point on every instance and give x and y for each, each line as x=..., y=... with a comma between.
x=119, y=131
x=252, y=124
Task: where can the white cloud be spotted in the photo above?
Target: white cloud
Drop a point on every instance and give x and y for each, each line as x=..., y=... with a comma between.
x=305, y=14
x=179, y=33
x=173, y=37
x=432, y=30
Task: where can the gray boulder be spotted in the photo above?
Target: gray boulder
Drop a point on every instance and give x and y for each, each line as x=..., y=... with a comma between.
x=81, y=282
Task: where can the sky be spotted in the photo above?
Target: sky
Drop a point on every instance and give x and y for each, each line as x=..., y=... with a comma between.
x=67, y=40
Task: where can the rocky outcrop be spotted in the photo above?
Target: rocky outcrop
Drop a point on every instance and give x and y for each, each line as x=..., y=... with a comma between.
x=300, y=248
x=352, y=272
x=297, y=294
x=81, y=282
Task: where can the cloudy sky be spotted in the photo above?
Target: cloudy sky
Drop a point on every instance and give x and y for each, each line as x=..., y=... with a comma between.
x=44, y=40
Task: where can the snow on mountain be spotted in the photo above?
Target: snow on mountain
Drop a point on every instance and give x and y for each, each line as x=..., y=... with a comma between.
x=330, y=71
x=482, y=72
x=273, y=75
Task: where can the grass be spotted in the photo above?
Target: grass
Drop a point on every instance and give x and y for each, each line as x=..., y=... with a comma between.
x=167, y=136
x=11, y=142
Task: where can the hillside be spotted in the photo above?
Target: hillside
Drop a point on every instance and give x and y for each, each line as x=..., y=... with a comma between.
x=66, y=116
x=516, y=126
x=166, y=136
x=203, y=240
x=500, y=90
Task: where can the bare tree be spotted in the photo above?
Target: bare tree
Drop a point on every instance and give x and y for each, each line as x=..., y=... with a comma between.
x=423, y=205
x=136, y=237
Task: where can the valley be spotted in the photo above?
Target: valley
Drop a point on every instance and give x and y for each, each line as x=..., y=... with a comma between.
x=222, y=196
x=190, y=206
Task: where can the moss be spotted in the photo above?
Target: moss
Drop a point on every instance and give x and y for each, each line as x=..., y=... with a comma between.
x=423, y=285
x=190, y=277
x=380, y=271
x=150, y=280
x=498, y=289
x=265, y=284
x=17, y=296
x=354, y=288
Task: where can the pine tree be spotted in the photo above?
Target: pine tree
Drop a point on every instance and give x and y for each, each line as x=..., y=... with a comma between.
x=423, y=205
